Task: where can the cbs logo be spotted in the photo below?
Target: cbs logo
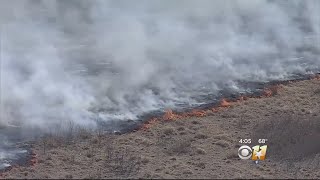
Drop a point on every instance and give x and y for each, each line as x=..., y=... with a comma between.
x=245, y=152
x=254, y=153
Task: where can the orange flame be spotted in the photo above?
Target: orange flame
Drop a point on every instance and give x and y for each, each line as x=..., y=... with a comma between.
x=198, y=113
x=169, y=115
x=149, y=123
x=315, y=77
x=214, y=110
x=33, y=162
x=267, y=93
x=272, y=90
x=225, y=103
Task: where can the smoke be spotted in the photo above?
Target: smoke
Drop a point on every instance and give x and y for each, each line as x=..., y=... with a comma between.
x=78, y=60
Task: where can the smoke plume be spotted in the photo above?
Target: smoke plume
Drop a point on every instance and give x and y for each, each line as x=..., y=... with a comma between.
x=77, y=60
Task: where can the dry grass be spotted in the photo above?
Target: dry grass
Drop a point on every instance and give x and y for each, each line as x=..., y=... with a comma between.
x=173, y=145
x=291, y=137
x=316, y=92
x=122, y=163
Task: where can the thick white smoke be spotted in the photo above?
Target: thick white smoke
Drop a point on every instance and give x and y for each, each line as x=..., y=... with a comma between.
x=74, y=60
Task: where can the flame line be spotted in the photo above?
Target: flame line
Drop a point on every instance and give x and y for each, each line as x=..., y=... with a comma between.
x=268, y=91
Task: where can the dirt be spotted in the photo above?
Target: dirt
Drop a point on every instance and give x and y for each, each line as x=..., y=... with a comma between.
x=197, y=147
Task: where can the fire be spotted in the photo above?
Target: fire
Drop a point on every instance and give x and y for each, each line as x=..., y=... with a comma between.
x=150, y=123
x=267, y=93
x=33, y=161
x=214, y=110
x=198, y=113
x=225, y=103
x=272, y=90
x=315, y=77
x=169, y=115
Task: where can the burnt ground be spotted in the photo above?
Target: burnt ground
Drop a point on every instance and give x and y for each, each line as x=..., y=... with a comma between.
x=196, y=147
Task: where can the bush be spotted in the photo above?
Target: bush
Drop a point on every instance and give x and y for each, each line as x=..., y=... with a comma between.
x=177, y=146
x=121, y=163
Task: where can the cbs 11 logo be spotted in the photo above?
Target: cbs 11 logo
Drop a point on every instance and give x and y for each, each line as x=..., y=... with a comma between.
x=255, y=153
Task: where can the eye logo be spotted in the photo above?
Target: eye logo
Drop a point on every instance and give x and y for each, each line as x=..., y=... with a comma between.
x=245, y=152
x=256, y=153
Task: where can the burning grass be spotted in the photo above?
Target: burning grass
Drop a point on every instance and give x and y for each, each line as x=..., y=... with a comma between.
x=169, y=115
x=315, y=77
x=225, y=103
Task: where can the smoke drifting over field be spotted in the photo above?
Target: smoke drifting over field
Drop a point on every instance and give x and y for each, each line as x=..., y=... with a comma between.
x=75, y=60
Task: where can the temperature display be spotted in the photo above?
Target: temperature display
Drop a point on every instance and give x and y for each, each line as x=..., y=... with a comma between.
x=262, y=141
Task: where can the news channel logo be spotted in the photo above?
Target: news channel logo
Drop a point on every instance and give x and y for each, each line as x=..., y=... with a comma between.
x=255, y=153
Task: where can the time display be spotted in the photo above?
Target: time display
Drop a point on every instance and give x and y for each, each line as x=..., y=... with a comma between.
x=245, y=141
